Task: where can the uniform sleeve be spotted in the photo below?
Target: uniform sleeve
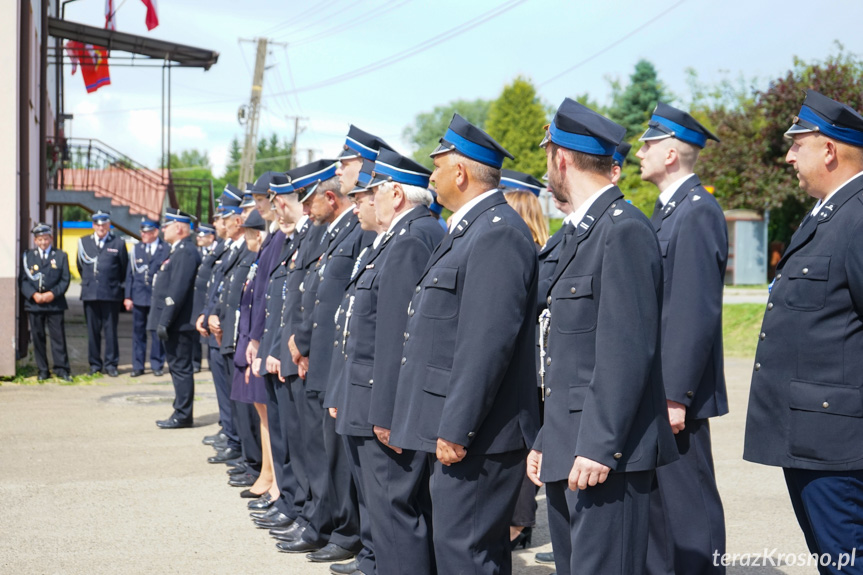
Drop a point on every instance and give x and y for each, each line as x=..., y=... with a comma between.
x=63, y=285
x=693, y=317
x=128, y=290
x=25, y=287
x=124, y=260
x=854, y=268
x=502, y=262
x=627, y=340
x=78, y=259
x=402, y=270
x=303, y=328
x=184, y=266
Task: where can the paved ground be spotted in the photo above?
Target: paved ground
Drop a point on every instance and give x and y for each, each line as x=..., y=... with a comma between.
x=88, y=484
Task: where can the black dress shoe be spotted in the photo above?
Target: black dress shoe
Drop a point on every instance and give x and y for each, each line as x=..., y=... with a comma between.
x=345, y=568
x=277, y=521
x=272, y=512
x=67, y=377
x=112, y=371
x=236, y=470
x=547, y=558
x=293, y=533
x=137, y=372
x=331, y=552
x=261, y=503
x=197, y=369
x=220, y=444
x=43, y=375
x=522, y=539
x=300, y=546
x=95, y=370
x=249, y=494
x=242, y=480
x=227, y=454
x=158, y=372
x=211, y=439
x=174, y=423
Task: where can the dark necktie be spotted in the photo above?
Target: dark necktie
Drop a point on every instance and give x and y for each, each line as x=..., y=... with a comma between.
x=657, y=212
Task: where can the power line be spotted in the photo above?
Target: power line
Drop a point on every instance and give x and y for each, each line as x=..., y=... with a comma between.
x=325, y=18
x=612, y=45
x=379, y=11
x=421, y=47
x=291, y=78
x=298, y=18
x=322, y=14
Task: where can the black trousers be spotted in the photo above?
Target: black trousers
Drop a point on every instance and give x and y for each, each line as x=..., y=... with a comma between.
x=178, y=350
x=291, y=395
x=687, y=523
x=320, y=510
x=366, y=556
x=140, y=313
x=223, y=396
x=101, y=317
x=342, y=490
x=601, y=529
x=54, y=323
x=472, y=505
x=197, y=354
x=395, y=487
x=282, y=464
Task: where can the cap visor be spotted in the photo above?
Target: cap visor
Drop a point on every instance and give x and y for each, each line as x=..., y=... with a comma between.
x=653, y=134
x=796, y=129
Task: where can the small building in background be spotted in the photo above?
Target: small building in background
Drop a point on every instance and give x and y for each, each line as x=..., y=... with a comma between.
x=747, y=248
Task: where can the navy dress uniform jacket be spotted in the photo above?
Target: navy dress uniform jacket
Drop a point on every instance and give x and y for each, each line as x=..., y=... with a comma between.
x=806, y=397
x=406, y=257
x=230, y=296
x=468, y=372
x=103, y=271
x=49, y=275
x=205, y=275
x=268, y=259
x=549, y=255
x=141, y=271
x=693, y=238
x=173, y=289
x=329, y=281
x=604, y=394
x=300, y=269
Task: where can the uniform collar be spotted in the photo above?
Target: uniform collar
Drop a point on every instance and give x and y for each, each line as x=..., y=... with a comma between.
x=462, y=211
x=833, y=193
x=579, y=213
x=669, y=192
x=336, y=221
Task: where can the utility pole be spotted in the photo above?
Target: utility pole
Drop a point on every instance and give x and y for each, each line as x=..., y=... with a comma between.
x=297, y=130
x=250, y=150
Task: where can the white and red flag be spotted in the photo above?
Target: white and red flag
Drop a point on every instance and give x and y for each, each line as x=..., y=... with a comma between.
x=110, y=15
x=152, y=17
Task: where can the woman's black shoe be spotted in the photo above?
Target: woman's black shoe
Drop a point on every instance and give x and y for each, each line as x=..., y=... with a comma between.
x=522, y=539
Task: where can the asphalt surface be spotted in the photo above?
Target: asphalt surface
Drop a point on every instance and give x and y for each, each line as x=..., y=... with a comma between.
x=88, y=484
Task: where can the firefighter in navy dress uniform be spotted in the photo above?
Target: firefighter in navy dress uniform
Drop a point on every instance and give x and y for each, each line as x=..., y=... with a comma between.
x=146, y=258
x=806, y=397
x=171, y=313
x=102, y=262
x=43, y=282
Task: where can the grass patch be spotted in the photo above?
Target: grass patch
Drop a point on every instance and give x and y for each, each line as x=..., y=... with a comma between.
x=26, y=375
x=741, y=324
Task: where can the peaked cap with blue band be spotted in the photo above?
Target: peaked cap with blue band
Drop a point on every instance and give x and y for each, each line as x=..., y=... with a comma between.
x=231, y=192
x=262, y=184
x=101, y=216
x=280, y=183
x=361, y=144
x=829, y=117
x=230, y=204
x=468, y=140
x=393, y=167
x=312, y=174
x=510, y=180
x=669, y=122
x=41, y=229
x=435, y=207
x=577, y=127
x=621, y=152
x=254, y=221
x=364, y=178
x=148, y=225
x=204, y=229
x=175, y=215
x=248, y=200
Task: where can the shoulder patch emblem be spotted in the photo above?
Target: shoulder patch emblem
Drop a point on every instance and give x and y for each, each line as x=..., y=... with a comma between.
x=495, y=219
x=696, y=197
x=169, y=301
x=403, y=232
x=617, y=212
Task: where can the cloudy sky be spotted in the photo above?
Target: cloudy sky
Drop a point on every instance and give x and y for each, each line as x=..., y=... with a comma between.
x=377, y=63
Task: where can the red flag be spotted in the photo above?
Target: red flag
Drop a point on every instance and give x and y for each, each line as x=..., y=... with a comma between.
x=94, y=64
x=152, y=18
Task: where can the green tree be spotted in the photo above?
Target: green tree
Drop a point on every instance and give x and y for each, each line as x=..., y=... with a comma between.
x=748, y=168
x=429, y=127
x=631, y=106
x=515, y=120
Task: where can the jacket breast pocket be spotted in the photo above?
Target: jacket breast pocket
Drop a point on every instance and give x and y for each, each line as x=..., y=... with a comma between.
x=807, y=282
x=365, y=296
x=826, y=422
x=440, y=296
x=574, y=308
